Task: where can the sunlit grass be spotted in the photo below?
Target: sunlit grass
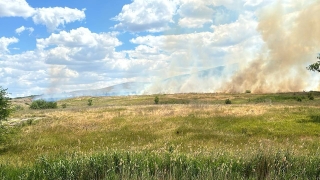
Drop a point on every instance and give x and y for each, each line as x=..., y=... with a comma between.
x=184, y=124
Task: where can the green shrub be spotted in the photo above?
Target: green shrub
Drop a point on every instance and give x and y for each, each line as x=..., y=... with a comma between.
x=248, y=91
x=299, y=99
x=42, y=104
x=156, y=100
x=64, y=105
x=89, y=102
x=310, y=96
x=228, y=101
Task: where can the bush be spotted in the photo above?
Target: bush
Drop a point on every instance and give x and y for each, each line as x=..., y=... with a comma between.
x=64, y=105
x=228, y=101
x=310, y=96
x=42, y=104
x=248, y=91
x=299, y=99
x=156, y=100
x=89, y=102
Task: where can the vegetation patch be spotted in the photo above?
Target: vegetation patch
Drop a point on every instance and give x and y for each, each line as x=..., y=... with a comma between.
x=42, y=104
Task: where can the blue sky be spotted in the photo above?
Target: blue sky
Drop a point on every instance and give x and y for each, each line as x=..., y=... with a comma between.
x=58, y=46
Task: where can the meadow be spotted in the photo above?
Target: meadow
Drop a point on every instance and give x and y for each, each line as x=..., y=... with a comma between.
x=185, y=136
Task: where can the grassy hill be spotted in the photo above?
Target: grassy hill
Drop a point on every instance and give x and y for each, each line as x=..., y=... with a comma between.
x=185, y=136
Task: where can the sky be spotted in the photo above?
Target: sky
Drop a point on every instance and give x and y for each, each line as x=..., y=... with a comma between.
x=61, y=46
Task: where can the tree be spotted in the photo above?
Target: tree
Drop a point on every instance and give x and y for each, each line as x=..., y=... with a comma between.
x=5, y=104
x=156, y=100
x=315, y=66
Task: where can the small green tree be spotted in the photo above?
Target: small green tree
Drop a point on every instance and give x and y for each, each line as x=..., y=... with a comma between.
x=315, y=66
x=5, y=104
x=228, y=101
x=89, y=102
x=156, y=100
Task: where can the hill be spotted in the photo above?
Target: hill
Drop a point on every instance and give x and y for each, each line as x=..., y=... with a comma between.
x=175, y=84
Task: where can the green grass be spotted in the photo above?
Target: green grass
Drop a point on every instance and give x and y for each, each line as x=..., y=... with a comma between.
x=152, y=165
x=202, y=137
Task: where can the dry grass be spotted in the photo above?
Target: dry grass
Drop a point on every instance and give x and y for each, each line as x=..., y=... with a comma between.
x=134, y=123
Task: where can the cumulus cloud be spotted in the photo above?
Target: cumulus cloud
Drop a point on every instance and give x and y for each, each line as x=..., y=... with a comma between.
x=78, y=46
x=188, y=53
x=52, y=18
x=193, y=22
x=235, y=32
x=253, y=2
x=22, y=28
x=79, y=37
x=20, y=77
x=222, y=35
x=5, y=42
x=195, y=14
x=146, y=15
x=15, y=8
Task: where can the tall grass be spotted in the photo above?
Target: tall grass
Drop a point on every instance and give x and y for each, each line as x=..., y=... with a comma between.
x=149, y=165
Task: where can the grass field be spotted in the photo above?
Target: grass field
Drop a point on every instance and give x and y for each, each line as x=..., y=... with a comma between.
x=185, y=136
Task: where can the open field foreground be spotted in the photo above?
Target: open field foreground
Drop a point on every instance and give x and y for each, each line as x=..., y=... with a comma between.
x=185, y=136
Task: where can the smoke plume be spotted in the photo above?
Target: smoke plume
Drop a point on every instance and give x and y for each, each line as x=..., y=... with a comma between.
x=292, y=41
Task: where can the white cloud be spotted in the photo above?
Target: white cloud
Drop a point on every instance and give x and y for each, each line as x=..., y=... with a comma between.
x=15, y=8
x=193, y=22
x=80, y=49
x=5, y=42
x=22, y=28
x=197, y=13
x=196, y=9
x=235, y=32
x=146, y=15
x=52, y=18
x=78, y=38
x=253, y=2
x=23, y=74
x=185, y=53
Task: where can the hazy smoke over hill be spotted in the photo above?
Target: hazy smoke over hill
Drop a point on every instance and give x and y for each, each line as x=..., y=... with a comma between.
x=292, y=41
x=264, y=52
